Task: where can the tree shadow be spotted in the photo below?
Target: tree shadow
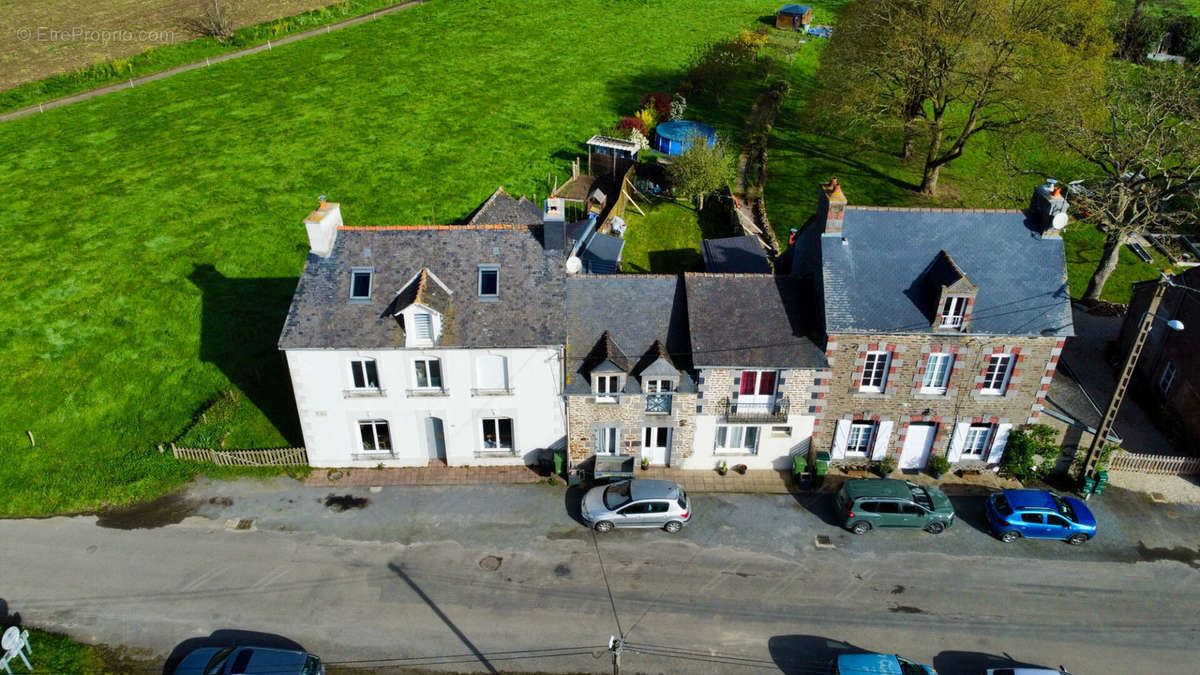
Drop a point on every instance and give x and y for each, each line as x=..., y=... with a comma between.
x=675, y=261
x=240, y=323
x=228, y=637
x=976, y=662
x=800, y=654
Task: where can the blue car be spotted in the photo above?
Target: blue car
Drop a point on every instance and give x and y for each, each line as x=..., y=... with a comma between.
x=878, y=664
x=1039, y=514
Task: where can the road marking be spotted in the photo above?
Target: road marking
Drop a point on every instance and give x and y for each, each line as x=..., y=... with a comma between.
x=273, y=576
x=202, y=579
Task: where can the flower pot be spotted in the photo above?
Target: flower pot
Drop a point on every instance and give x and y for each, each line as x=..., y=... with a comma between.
x=722, y=470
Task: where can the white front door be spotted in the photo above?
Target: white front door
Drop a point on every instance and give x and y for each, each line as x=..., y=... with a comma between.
x=656, y=444
x=916, y=445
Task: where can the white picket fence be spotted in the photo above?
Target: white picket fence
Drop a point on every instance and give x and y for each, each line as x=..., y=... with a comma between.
x=269, y=457
x=1163, y=465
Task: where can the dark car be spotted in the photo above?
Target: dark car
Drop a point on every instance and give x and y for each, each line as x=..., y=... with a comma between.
x=249, y=661
x=867, y=503
x=1039, y=514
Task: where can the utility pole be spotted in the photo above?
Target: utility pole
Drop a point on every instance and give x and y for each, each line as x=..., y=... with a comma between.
x=615, y=646
x=1135, y=350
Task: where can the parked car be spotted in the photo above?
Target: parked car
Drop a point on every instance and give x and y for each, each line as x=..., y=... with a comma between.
x=249, y=661
x=878, y=664
x=637, y=503
x=867, y=503
x=1039, y=514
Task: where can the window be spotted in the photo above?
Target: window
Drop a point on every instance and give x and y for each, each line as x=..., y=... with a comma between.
x=658, y=386
x=781, y=432
x=734, y=438
x=889, y=507
x=976, y=443
x=859, y=443
x=937, y=373
x=869, y=507
x=1056, y=521
x=655, y=437
x=995, y=380
x=491, y=373
x=912, y=510
x=375, y=436
x=606, y=440
x=637, y=509
x=423, y=326
x=616, y=494
x=607, y=388
x=497, y=433
x=954, y=309
x=428, y=373
x=757, y=383
x=489, y=281
x=1034, y=518
x=360, y=283
x=659, y=507
x=365, y=374
x=1167, y=378
x=875, y=371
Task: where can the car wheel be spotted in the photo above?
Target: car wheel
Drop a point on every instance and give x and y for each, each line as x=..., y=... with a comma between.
x=1077, y=539
x=861, y=527
x=1009, y=536
x=603, y=526
x=935, y=527
x=673, y=526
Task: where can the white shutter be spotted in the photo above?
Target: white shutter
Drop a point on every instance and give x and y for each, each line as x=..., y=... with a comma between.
x=883, y=433
x=490, y=372
x=841, y=436
x=957, y=440
x=999, y=443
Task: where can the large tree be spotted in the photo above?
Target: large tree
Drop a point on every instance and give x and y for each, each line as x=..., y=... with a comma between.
x=701, y=170
x=1141, y=138
x=945, y=71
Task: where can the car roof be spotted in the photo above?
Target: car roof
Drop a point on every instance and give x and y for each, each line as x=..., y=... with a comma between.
x=262, y=660
x=877, y=487
x=645, y=488
x=1030, y=499
x=875, y=664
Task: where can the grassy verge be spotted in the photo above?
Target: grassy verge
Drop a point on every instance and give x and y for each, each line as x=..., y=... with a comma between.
x=56, y=653
x=667, y=239
x=164, y=57
x=1085, y=243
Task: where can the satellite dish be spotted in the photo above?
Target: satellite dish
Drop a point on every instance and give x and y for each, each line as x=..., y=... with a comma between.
x=574, y=265
x=1059, y=221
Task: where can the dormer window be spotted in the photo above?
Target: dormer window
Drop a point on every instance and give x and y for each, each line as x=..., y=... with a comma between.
x=360, y=284
x=489, y=282
x=423, y=326
x=607, y=388
x=954, y=310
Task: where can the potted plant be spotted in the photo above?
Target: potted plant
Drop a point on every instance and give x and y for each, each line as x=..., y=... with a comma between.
x=939, y=466
x=645, y=463
x=886, y=466
x=722, y=468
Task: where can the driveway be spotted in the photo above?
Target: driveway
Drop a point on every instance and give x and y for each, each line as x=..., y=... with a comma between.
x=495, y=578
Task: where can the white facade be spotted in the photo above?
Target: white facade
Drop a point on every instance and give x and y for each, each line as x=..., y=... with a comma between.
x=774, y=446
x=468, y=395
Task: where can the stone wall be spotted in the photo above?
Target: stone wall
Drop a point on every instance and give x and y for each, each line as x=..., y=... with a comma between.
x=585, y=415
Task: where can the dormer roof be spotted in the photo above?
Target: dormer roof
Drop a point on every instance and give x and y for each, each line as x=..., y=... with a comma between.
x=503, y=209
x=424, y=289
x=656, y=362
x=606, y=357
x=944, y=273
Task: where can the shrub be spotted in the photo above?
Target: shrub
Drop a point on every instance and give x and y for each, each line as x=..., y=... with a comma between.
x=628, y=124
x=939, y=465
x=1031, y=452
x=639, y=138
x=648, y=117
x=678, y=106
x=887, y=465
x=659, y=101
x=215, y=21
x=747, y=43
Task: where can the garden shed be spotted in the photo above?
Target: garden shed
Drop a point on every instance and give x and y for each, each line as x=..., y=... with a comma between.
x=610, y=156
x=794, y=17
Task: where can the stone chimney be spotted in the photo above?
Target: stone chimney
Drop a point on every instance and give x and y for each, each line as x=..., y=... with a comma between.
x=1049, y=207
x=831, y=207
x=554, y=222
x=322, y=226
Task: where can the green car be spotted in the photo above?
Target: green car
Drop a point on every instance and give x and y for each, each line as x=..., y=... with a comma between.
x=870, y=502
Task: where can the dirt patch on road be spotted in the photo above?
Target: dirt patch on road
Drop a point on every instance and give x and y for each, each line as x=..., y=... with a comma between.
x=168, y=510
x=340, y=503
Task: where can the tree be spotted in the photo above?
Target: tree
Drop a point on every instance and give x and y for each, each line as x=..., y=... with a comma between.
x=945, y=71
x=701, y=170
x=1031, y=452
x=1142, y=141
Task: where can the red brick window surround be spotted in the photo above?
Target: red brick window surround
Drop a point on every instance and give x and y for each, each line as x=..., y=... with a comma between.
x=998, y=370
x=877, y=365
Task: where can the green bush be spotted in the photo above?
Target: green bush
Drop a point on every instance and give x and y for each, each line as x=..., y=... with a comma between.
x=939, y=465
x=887, y=465
x=1031, y=453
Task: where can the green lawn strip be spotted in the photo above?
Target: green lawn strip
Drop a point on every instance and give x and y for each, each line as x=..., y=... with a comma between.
x=165, y=57
x=57, y=653
x=1085, y=243
x=158, y=234
x=667, y=239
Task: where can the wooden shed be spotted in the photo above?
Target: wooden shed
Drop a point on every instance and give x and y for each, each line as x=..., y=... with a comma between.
x=794, y=17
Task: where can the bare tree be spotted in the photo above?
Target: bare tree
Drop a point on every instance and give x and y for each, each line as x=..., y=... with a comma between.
x=215, y=20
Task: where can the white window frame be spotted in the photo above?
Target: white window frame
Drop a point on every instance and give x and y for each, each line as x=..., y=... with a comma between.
x=355, y=272
x=423, y=363
x=874, y=369
x=496, y=421
x=487, y=269
x=862, y=434
x=608, y=440
x=940, y=386
x=646, y=436
x=977, y=443
x=360, y=365
x=954, y=312
x=658, y=385
x=423, y=326
x=609, y=392
x=1166, y=379
x=375, y=426
x=995, y=382
x=737, y=439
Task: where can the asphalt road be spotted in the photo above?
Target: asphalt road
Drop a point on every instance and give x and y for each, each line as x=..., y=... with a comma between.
x=505, y=579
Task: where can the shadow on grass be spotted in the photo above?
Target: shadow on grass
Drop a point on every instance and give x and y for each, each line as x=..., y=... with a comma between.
x=675, y=261
x=240, y=324
x=228, y=637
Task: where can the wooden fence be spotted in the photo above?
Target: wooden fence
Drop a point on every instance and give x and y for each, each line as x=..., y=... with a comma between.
x=1166, y=465
x=272, y=457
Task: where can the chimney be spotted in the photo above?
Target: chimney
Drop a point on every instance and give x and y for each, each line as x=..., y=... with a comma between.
x=554, y=221
x=322, y=226
x=1049, y=207
x=831, y=207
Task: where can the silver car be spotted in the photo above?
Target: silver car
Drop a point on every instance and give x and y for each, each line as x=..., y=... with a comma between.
x=637, y=503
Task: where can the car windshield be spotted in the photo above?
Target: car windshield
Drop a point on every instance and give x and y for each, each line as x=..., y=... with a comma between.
x=616, y=495
x=312, y=665
x=921, y=496
x=910, y=668
x=1064, y=507
x=217, y=663
x=1002, y=504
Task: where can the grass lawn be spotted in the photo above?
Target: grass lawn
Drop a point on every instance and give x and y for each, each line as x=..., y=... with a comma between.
x=155, y=235
x=667, y=239
x=56, y=653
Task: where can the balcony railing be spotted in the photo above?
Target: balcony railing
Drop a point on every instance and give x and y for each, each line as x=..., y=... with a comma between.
x=658, y=404
x=775, y=410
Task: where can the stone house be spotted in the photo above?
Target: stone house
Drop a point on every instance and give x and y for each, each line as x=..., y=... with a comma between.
x=943, y=327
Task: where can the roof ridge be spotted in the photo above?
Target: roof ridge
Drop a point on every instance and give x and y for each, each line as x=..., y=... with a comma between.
x=422, y=280
x=726, y=275
x=930, y=209
x=389, y=228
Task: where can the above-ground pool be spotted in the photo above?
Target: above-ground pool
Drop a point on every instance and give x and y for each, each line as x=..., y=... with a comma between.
x=674, y=138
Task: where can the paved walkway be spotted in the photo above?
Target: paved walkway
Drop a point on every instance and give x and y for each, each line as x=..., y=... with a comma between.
x=228, y=56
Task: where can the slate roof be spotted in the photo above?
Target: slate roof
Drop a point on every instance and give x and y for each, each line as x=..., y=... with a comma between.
x=797, y=10
x=527, y=313
x=735, y=254
x=424, y=290
x=640, y=313
x=873, y=272
x=503, y=209
x=602, y=253
x=752, y=320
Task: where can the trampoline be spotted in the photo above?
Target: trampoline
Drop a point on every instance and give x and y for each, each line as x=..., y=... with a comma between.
x=674, y=138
